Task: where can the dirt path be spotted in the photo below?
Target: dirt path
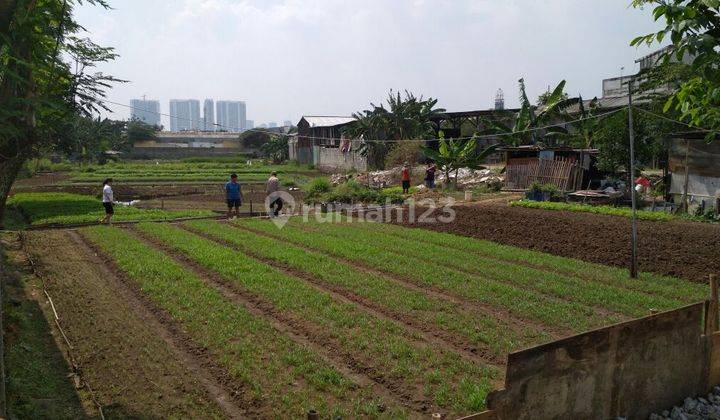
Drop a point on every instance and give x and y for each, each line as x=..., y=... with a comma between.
x=136, y=357
x=682, y=249
x=304, y=333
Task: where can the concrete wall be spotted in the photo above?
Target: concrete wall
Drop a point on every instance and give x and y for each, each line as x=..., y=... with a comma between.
x=626, y=370
x=182, y=152
x=332, y=159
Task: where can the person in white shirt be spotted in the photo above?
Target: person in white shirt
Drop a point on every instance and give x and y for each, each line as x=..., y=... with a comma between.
x=107, y=200
x=271, y=188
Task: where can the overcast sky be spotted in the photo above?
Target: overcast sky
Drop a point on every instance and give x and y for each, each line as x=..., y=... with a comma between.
x=288, y=58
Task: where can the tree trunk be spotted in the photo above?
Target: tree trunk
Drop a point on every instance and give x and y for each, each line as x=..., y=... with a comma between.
x=8, y=172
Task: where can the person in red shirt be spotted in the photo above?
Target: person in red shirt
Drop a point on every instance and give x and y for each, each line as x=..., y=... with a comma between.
x=406, y=179
x=642, y=184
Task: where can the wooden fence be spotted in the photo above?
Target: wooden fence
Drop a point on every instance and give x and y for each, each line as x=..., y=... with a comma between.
x=564, y=174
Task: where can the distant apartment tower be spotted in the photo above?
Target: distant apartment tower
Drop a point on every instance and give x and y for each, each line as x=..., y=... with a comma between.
x=287, y=123
x=272, y=124
x=208, y=115
x=249, y=124
x=231, y=115
x=147, y=111
x=184, y=114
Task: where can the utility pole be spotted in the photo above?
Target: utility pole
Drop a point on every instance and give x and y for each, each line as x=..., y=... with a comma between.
x=633, y=257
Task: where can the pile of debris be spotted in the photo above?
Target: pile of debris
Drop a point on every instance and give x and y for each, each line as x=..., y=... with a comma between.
x=467, y=178
x=470, y=178
x=694, y=408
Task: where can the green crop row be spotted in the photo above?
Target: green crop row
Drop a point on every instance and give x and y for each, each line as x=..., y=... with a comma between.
x=608, y=210
x=668, y=287
x=517, y=300
x=274, y=371
x=384, y=347
x=67, y=208
x=476, y=328
x=627, y=302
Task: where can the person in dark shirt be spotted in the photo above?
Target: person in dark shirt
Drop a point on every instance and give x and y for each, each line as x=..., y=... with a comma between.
x=430, y=175
x=233, y=194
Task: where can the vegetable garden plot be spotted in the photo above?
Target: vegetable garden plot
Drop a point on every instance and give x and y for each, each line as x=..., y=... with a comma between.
x=277, y=376
x=364, y=318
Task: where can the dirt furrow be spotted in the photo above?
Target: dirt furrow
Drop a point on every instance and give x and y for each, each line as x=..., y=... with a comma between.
x=518, y=324
x=438, y=338
x=214, y=378
x=303, y=333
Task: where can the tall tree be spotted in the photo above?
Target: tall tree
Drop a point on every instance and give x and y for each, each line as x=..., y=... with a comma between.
x=44, y=79
x=693, y=27
x=407, y=117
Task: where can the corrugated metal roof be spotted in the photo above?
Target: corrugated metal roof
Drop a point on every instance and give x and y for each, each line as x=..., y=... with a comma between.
x=327, y=121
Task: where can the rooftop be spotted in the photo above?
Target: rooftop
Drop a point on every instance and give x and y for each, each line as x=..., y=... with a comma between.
x=326, y=121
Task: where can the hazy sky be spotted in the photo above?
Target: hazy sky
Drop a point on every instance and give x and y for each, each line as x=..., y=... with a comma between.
x=288, y=58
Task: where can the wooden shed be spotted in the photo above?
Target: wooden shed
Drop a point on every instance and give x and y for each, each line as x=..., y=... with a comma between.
x=567, y=168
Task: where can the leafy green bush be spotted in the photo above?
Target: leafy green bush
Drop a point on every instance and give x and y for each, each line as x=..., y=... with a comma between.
x=316, y=189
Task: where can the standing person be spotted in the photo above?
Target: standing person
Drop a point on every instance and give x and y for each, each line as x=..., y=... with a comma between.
x=405, y=175
x=233, y=194
x=271, y=188
x=107, y=200
x=430, y=175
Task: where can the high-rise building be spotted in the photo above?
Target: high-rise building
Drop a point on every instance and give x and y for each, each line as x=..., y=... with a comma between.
x=287, y=123
x=208, y=115
x=249, y=124
x=147, y=111
x=231, y=115
x=184, y=114
x=272, y=124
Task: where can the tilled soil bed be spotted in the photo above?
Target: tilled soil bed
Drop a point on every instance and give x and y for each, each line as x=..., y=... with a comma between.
x=689, y=250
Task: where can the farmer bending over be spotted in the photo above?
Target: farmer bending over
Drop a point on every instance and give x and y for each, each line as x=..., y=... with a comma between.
x=272, y=186
x=233, y=194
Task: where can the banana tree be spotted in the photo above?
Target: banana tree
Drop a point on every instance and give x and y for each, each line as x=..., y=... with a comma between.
x=454, y=154
x=529, y=118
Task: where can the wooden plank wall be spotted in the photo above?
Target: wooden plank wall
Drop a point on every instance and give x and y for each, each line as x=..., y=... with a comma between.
x=563, y=173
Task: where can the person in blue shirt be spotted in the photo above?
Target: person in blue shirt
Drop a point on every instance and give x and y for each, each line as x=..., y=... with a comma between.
x=233, y=194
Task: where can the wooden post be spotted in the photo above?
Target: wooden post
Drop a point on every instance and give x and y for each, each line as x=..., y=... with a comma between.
x=711, y=323
x=684, y=205
x=313, y=415
x=252, y=191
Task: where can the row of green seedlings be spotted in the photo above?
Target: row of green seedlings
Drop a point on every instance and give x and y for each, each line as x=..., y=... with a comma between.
x=66, y=208
x=382, y=347
x=275, y=373
x=648, y=283
x=631, y=303
x=512, y=287
x=468, y=327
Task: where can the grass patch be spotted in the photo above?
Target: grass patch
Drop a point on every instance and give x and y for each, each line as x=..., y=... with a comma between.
x=586, y=208
x=66, y=208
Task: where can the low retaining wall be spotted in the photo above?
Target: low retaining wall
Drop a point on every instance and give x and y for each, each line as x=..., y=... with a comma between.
x=627, y=370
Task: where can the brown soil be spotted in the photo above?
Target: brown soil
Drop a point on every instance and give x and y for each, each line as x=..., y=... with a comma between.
x=123, y=353
x=354, y=365
x=682, y=249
